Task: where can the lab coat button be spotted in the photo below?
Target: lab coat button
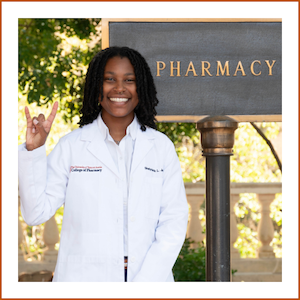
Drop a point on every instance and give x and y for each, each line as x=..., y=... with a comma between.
x=132, y=259
x=132, y=219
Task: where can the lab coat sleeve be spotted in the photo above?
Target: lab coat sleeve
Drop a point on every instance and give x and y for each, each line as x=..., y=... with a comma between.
x=42, y=183
x=172, y=225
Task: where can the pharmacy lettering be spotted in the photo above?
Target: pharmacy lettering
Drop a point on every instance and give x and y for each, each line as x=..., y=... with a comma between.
x=219, y=69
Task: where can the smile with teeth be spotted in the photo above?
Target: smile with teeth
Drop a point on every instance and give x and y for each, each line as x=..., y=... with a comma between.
x=119, y=99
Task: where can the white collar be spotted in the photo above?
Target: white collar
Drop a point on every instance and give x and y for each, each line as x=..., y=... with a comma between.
x=130, y=130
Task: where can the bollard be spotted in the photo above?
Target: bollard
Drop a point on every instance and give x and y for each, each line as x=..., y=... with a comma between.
x=217, y=139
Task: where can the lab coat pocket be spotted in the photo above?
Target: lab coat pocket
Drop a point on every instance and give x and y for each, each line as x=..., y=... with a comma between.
x=153, y=191
x=81, y=268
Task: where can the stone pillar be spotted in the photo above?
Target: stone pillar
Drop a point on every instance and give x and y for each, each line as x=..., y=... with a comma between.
x=234, y=233
x=265, y=226
x=51, y=237
x=20, y=240
x=20, y=235
x=194, y=230
x=217, y=138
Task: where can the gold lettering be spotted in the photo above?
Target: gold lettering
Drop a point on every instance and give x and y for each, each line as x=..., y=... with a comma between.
x=252, y=70
x=270, y=67
x=158, y=68
x=172, y=68
x=205, y=68
x=191, y=69
x=240, y=68
x=220, y=68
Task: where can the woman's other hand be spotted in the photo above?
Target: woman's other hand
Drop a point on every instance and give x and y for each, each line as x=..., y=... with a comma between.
x=38, y=128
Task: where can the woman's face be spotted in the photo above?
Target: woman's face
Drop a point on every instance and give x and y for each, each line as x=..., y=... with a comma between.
x=119, y=89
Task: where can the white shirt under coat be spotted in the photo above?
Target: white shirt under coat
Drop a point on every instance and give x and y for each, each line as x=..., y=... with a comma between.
x=122, y=156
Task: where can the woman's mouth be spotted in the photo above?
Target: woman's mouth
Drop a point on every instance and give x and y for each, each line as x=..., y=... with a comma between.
x=120, y=100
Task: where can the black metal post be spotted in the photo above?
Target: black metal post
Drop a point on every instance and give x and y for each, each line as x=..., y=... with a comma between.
x=217, y=138
x=218, y=218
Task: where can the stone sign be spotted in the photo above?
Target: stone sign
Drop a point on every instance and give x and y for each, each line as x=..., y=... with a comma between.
x=208, y=68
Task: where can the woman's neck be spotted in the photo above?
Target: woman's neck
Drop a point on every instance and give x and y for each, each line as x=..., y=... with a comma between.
x=117, y=126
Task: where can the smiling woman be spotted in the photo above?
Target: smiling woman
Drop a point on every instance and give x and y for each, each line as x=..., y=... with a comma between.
x=120, y=97
x=135, y=73
x=125, y=208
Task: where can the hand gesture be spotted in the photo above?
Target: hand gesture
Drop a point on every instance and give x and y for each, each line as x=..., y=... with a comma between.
x=38, y=128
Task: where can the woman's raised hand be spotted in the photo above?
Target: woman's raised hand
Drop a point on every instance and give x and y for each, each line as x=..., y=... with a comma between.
x=38, y=128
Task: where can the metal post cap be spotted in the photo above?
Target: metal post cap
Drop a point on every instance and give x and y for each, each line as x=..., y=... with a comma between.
x=217, y=135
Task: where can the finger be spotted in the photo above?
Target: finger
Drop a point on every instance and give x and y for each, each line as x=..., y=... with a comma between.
x=34, y=122
x=28, y=117
x=53, y=113
x=41, y=118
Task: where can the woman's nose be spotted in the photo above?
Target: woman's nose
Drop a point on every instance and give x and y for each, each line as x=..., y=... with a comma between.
x=119, y=87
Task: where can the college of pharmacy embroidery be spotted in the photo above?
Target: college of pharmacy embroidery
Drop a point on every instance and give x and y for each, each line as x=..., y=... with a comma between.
x=85, y=169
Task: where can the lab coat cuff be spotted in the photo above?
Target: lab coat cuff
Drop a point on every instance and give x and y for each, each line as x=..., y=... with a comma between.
x=24, y=153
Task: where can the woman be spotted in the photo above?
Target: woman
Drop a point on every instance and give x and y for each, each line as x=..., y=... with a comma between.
x=118, y=178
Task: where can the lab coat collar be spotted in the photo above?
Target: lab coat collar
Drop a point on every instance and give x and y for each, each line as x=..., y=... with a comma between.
x=131, y=129
x=96, y=137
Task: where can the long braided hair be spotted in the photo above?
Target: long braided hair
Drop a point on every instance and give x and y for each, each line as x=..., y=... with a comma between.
x=145, y=110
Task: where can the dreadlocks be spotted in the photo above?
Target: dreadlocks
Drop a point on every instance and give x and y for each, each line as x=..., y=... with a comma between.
x=145, y=110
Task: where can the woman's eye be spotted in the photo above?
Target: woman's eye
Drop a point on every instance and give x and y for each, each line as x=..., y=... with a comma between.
x=109, y=79
x=130, y=80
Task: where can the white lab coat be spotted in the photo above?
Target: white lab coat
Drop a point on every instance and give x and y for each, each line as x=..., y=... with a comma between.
x=80, y=173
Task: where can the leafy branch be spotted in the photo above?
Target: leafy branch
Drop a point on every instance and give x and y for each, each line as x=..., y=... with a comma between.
x=269, y=144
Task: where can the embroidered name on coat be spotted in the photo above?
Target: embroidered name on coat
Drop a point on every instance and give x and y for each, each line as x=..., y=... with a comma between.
x=152, y=170
x=85, y=169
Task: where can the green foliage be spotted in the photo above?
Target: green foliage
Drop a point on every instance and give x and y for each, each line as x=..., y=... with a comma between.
x=247, y=242
x=186, y=139
x=53, y=59
x=34, y=236
x=252, y=159
x=190, y=264
x=177, y=131
x=59, y=127
x=33, y=245
x=248, y=216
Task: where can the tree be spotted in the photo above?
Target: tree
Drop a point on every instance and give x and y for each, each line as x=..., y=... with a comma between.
x=53, y=59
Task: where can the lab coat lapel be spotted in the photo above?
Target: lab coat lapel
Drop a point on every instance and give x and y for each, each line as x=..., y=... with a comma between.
x=143, y=145
x=98, y=146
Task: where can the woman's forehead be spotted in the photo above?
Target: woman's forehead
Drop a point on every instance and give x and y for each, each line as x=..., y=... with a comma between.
x=120, y=65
